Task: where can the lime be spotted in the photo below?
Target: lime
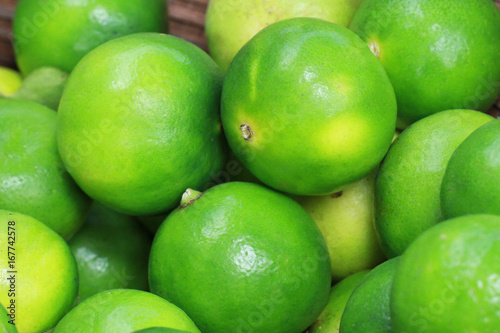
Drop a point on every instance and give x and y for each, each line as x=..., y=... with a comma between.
x=242, y=258
x=124, y=311
x=308, y=120
x=436, y=59
x=448, y=280
x=111, y=251
x=33, y=179
x=44, y=85
x=408, y=184
x=10, y=81
x=159, y=330
x=329, y=320
x=139, y=122
x=39, y=277
x=346, y=220
x=471, y=184
x=246, y=18
x=6, y=325
x=367, y=310
x=58, y=33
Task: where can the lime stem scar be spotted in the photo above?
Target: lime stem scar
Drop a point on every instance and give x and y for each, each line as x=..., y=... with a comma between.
x=189, y=197
x=246, y=131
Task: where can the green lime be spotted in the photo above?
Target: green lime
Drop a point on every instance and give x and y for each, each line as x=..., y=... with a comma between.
x=58, y=33
x=367, y=310
x=436, y=59
x=10, y=81
x=111, y=250
x=6, y=323
x=329, y=320
x=242, y=258
x=124, y=311
x=448, y=279
x=139, y=122
x=408, y=184
x=39, y=280
x=246, y=18
x=33, y=179
x=44, y=85
x=346, y=220
x=159, y=330
x=308, y=120
x=471, y=184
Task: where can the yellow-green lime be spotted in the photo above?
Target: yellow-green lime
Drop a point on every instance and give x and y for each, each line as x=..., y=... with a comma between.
x=139, y=122
x=407, y=189
x=367, y=309
x=439, y=55
x=448, y=280
x=329, y=320
x=58, y=33
x=159, y=330
x=246, y=18
x=346, y=220
x=111, y=250
x=39, y=280
x=471, y=184
x=10, y=81
x=124, y=311
x=33, y=179
x=44, y=85
x=307, y=108
x=239, y=258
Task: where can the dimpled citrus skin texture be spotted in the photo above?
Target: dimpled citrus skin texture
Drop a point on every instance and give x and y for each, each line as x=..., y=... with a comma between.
x=5, y=326
x=33, y=179
x=435, y=59
x=346, y=220
x=367, y=310
x=319, y=105
x=246, y=18
x=471, y=184
x=447, y=280
x=329, y=320
x=111, y=250
x=59, y=33
x=242, y=257
x=408, y=184
x=47, y=278
x=125, y=311
x=138, y=122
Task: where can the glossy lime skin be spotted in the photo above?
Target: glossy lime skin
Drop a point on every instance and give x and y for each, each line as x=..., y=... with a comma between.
x=347, y=221
x=124, y=310
x=10, y=81
x=139, y=122
x=329, y=320
x=33, y=179
x=5, y=326
x=367, y=310
x=436, y=59
x=246, y=18
x=59, y=33
x=408, y=184
x=471, y=184
x=159, y=330
x=242, y=257
x=46, y=282
x=320, y=116
x=447, y=280
x=111, y=251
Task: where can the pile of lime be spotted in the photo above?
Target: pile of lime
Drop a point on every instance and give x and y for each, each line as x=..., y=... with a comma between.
x=329, y=166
